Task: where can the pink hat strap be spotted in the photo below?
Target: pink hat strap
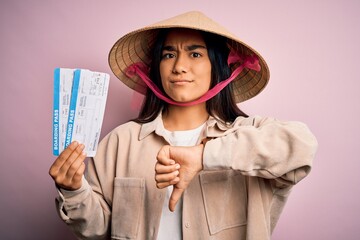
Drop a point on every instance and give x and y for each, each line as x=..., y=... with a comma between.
x=249, y=62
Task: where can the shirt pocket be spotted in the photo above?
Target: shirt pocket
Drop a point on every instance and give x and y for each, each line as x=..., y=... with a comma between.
x=128, y=204
x=225, y=199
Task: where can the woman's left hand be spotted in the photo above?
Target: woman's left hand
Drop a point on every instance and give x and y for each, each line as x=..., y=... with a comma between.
x=177, y=166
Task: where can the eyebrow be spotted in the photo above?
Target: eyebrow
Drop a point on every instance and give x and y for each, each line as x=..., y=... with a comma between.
x=187, y=48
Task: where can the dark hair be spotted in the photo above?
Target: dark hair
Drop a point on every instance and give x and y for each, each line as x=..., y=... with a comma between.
x=222, y=106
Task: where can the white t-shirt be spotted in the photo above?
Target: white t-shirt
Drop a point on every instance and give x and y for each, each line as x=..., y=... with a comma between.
x=171, y=222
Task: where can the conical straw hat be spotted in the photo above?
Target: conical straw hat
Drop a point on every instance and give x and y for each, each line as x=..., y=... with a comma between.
x=136, y=47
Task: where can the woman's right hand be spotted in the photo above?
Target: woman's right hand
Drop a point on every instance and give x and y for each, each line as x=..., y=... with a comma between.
x=69, y=167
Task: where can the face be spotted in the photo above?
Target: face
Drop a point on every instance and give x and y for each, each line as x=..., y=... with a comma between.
x=185, y=67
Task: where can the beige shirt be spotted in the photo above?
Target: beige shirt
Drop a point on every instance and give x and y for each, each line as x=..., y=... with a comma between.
x=249, y=170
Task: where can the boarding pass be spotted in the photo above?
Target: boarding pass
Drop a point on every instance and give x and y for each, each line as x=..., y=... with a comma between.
x=79, y=105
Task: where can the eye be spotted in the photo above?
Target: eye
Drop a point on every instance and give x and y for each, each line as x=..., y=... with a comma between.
x=167, y=56
x=195, y=55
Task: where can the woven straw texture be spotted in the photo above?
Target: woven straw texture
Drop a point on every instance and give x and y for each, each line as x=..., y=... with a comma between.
x=136, y=47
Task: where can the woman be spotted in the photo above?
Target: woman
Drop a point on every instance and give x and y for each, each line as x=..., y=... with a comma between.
x=222, y=174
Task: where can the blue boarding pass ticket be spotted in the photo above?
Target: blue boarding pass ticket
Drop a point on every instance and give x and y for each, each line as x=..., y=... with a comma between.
x=80, y=118
x=63, y=80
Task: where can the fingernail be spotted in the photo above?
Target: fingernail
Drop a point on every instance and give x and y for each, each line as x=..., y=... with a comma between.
x=172, y=162
x=177, y=166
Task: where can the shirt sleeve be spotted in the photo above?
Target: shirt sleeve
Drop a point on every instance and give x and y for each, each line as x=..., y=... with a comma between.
x=71, y=193
x=267, y=148
x=87, y=211
x=67, y=198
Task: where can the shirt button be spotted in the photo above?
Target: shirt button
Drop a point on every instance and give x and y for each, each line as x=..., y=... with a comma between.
x=187, y=224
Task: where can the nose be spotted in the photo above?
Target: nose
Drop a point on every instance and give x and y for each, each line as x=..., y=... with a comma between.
x=180, y=65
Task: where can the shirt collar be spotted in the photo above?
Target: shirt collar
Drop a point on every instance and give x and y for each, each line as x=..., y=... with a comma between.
x=154, y=126
x=214, y=128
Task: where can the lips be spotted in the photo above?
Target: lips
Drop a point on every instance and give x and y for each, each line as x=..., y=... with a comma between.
x=180, y=81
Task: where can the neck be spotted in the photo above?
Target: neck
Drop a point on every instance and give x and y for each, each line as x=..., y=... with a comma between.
x=179, y=118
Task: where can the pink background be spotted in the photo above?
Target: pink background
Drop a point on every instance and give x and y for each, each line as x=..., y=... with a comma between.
x=312, y=48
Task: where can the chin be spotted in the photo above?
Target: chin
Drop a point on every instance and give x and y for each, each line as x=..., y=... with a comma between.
x=185, y=98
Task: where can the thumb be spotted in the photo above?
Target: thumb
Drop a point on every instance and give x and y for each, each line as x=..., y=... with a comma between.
x=174, y=198
x=163, y=156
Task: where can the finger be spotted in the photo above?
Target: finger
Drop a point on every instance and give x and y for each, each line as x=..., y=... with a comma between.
x=166, y=177
x=75, y=182
x=60, y=160
x=73, y=156
x=174, y=198
x=72, y=180
x=162, y=185
x=79, y=173
x=174, y=181
x=166, y=184
x=163, y=156
x=160, y=168
x=75, y=165
x=60, y=177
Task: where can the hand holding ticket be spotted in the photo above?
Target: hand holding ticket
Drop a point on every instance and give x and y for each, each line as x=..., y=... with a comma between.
x=79, y=106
